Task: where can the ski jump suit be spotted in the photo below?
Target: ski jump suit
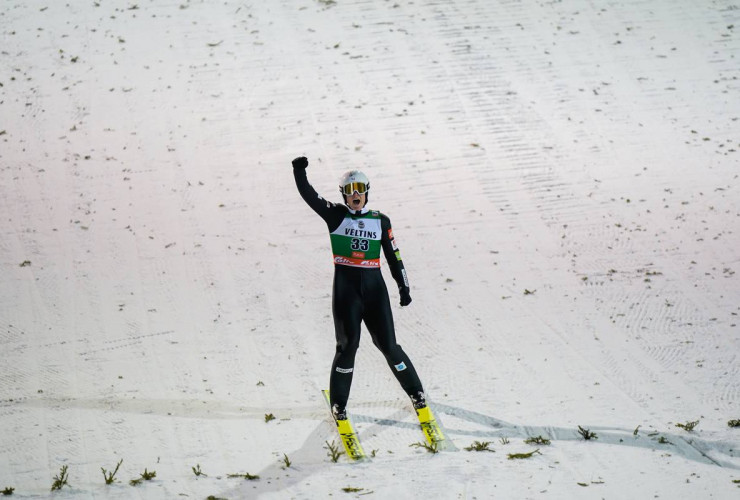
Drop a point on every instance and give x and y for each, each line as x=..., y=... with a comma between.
x=359, y=292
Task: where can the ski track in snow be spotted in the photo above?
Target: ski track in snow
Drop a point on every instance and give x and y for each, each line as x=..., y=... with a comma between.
x=562, y=181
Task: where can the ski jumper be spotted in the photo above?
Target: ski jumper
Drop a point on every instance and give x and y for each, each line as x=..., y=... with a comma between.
x=359, y=292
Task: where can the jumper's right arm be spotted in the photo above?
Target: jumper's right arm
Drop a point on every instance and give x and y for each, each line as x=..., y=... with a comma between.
x=330, y=212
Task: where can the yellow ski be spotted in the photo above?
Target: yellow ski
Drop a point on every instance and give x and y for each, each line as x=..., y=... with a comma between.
x=347, y=435
x=431, y=429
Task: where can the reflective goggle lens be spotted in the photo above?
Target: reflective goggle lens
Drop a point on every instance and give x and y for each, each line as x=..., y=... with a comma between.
x=350, y=188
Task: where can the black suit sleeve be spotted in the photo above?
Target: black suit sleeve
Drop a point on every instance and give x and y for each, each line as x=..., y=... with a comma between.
x=392, y=254
x=332, y=213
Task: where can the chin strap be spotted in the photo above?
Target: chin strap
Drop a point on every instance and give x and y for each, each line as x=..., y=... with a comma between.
x=360, y=211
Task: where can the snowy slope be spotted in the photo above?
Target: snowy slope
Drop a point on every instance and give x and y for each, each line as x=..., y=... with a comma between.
x=562, y=179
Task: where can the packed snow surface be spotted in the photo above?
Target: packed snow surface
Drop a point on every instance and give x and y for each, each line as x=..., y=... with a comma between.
x=562, y=178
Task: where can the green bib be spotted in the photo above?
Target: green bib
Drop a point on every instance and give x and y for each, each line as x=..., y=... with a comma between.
x=356, y=242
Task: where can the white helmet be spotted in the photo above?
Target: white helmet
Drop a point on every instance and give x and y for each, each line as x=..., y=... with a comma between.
x=354, y=180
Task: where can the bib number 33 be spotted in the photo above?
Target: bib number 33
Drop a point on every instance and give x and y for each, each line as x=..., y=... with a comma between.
x=360, y=245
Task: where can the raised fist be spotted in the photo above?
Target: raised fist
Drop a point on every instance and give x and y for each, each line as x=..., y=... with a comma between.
x=300, y=162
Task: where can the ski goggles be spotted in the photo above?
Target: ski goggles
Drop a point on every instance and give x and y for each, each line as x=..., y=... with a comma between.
x=350, y=188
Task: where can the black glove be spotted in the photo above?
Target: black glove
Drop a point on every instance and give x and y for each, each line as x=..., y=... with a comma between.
x=300, y=162
x=405, y=296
